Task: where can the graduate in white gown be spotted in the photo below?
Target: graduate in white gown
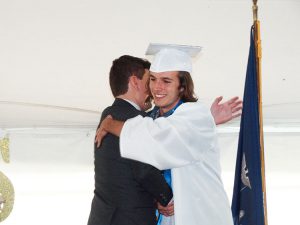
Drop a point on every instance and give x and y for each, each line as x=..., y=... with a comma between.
x=185, y=142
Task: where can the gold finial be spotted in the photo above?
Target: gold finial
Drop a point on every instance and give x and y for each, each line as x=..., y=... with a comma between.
x=254, y=8
x=4, y=148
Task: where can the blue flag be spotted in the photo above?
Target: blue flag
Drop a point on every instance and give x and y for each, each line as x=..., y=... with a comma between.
x=247, y=201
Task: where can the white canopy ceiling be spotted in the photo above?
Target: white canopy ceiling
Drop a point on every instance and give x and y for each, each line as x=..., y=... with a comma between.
x=55, y=55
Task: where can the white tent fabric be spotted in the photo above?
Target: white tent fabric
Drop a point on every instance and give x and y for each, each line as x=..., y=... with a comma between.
x=54, y=62
x=58, y=53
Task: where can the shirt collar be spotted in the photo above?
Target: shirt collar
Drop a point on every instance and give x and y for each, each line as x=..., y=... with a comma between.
x=133, y=104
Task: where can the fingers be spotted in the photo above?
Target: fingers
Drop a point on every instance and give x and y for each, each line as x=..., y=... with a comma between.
x=232, y=100
x=215, y=104
x=167, y=210
x=101, y=132
x=236, y=103
x=218, y=100
x=96, y=136
x=236, y=115
x=236, y=109
x=99, y=136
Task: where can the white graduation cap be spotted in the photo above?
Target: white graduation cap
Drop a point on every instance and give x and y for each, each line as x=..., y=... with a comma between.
x=170, y=57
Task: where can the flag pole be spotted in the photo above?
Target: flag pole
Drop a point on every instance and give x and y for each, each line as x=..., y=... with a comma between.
x=256, y=24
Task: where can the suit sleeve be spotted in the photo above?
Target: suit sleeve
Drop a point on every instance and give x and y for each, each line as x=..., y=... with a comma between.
x=152, y=181
x=165, y=143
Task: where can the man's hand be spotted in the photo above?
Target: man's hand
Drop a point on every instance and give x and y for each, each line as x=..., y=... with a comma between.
x=167, y=210
x=102, y=130
x=108, y=125
x=226, y=111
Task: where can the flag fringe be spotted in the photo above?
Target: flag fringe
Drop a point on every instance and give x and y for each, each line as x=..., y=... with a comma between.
x=259, y=86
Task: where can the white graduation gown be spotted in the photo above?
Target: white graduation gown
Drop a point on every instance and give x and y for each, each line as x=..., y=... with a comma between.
x=186, y=143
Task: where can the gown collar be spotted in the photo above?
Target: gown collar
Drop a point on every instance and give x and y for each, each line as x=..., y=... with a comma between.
x=155, y=112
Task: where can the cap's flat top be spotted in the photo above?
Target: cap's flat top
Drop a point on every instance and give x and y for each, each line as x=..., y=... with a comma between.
x=154, y=48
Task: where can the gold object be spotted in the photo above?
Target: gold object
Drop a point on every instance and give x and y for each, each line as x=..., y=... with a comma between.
x=7, y=196
x=254, y=8
x=259, y=78
x=4, y=149
x=256, y=25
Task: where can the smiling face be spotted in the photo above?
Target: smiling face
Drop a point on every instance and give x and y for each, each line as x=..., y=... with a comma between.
x=165, y=89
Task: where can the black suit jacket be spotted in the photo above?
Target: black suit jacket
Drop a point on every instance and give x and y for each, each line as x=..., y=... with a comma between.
x=125, y=190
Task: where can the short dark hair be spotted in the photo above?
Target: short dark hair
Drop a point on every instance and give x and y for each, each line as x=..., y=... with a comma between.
x=186, y=82
x=123, y=68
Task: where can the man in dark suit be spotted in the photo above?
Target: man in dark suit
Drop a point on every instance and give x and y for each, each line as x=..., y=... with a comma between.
x=126, y=191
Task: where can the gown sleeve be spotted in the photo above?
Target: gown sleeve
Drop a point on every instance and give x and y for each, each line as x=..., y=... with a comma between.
x=170, y=142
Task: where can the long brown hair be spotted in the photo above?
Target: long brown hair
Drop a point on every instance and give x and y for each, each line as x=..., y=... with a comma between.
x=187, y=84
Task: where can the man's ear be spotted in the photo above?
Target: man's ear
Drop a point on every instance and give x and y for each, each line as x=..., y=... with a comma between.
x=133, y=80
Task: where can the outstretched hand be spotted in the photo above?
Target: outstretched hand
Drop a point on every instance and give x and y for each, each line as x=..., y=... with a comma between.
x=226, y=111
